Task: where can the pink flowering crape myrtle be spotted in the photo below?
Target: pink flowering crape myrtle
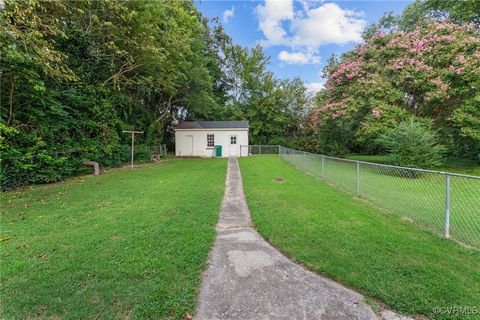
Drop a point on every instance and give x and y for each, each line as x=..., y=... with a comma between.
x=431, y=72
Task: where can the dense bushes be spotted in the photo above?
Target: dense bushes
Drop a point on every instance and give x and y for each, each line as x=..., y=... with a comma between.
x=74, y=74
x=19, y=169
x=412, y=144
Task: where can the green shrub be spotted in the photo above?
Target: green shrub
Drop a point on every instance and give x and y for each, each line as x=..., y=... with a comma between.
x=43, y=163
x=413, y=144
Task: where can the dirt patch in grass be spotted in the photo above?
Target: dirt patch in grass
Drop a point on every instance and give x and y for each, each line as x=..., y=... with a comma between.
x=279, y=180
x=407, y=219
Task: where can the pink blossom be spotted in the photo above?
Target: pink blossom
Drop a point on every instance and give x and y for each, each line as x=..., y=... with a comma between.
x=376, y=113
x=394, y=42
x=347, y=68
x=361, y=50
x=419, y=65
x=418, y=46
x=456, y=70
x=448, y=38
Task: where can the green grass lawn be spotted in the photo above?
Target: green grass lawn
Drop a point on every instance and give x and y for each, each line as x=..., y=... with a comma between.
x=420, y=199
x=129, y=243
x=462, y=166
x=333, y=233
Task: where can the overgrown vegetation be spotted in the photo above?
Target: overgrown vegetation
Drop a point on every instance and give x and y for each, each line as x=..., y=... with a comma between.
x=125, y=244
x=75, y=74
x=408, y=269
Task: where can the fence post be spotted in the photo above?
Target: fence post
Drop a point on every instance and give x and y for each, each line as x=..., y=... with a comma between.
x=260, y=149
x=323, y=167
x=358, y=179
x=447, y=206
x=304, y=161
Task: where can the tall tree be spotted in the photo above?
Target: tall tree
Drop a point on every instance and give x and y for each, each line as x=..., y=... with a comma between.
x=430, y=72
x=464, y=11
x=75, y=74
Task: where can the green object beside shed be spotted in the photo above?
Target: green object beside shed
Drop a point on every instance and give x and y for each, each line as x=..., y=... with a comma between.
x=218, y=151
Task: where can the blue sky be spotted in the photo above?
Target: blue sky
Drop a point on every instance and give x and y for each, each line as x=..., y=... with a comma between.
x=299, y=36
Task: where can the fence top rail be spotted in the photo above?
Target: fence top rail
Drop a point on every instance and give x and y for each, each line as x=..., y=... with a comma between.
x=445, y=173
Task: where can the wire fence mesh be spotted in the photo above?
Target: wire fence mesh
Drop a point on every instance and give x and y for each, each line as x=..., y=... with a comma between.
x=444, y=203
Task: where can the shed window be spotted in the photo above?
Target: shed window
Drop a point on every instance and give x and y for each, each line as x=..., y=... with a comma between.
x=210, y=140
x=233, y=140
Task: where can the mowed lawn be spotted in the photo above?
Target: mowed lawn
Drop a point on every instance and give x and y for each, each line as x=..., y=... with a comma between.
x=409, y=269
x=125, y=244
x=462, y=166
x=420, y=198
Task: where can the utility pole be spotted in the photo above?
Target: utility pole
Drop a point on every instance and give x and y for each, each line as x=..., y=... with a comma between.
x=133, y=141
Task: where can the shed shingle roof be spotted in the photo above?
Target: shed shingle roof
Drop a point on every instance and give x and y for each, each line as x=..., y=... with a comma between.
x=212, y=125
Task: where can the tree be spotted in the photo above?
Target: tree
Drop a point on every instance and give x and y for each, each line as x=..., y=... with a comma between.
x=75, y=74
x=430, y=72
x=275, y=108
x=78, y=73
x=413, y=144
x=460, y=12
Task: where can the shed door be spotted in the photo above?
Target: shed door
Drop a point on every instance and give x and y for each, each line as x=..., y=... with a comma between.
x=188, y=145
x=233, y=146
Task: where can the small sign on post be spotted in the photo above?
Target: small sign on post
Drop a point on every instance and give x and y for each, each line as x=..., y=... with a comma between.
x=133, y=142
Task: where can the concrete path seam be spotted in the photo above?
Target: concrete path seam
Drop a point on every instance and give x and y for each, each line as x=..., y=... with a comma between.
x=247, y=278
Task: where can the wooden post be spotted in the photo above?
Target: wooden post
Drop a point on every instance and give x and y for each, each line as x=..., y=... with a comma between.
x=133, y=132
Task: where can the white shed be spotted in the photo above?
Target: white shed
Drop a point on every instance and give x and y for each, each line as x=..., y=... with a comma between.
x=199, y=138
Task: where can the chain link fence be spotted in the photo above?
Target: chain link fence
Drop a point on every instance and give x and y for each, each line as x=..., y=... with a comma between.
x=444, y=203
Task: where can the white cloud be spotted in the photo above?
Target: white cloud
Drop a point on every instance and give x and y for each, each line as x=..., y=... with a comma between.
x=314, y=87
x=327, y=24
x=271, y=16
x=228, y=14
x=298, y=57
x=309, y=27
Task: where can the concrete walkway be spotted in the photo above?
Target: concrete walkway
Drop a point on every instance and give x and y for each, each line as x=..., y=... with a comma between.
x=247, y=278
